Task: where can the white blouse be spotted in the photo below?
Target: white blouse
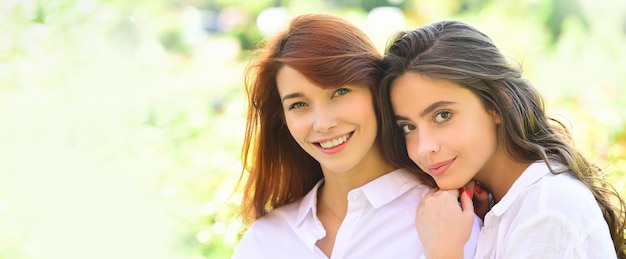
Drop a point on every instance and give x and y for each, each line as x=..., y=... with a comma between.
x=380, y=223
x=545, y=215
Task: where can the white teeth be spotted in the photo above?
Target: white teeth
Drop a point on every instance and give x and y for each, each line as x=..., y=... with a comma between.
x=334, y=142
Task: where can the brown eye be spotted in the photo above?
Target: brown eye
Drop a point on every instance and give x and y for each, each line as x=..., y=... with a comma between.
x=442, y=116
x=406, y=128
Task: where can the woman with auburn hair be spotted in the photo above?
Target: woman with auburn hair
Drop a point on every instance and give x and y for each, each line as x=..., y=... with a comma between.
x=316, y=182
x=456, y=110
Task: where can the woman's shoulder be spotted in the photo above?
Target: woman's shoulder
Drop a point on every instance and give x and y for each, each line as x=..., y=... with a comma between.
x=278, y=217
x=289, y=214
x=564, y=195
x=284, y=225
x=560, y=209
x=412, y=178
x=275, y=222
x=540, y=185
x=564, y=186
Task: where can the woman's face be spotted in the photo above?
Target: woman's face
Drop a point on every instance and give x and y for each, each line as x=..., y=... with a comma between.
x=337, y=127
x=448, y=132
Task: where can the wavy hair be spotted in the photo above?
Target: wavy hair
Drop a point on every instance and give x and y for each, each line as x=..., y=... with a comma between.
x=457, y=52
x=328, y=51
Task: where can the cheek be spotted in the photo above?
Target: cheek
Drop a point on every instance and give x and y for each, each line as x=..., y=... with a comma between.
x=481, y=141
x=492, y=138
x=296, y=127
x=411, y=148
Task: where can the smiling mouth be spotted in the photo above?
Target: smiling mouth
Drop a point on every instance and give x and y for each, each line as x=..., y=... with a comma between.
x=335, y=142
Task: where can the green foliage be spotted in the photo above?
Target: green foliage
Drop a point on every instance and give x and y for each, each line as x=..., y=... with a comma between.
x=198, y=137
x=121, y=136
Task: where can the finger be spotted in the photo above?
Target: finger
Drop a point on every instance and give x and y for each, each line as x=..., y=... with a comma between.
x=470, y=185
x=463, y=190
x=466, y=201
x=427, y=197
x=467, y=206
x=480, y=195
x=481, y=202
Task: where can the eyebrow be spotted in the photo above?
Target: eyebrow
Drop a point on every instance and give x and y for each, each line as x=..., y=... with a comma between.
x=434, y=106
x=428, y=109
x=289, y=96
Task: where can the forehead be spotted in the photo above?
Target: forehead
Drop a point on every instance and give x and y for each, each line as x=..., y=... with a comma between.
x=413, y=89
x=287, y=73
x=290, y=79
x=423, y=85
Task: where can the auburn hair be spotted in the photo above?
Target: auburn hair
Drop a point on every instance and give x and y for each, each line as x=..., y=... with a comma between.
x=328, y=51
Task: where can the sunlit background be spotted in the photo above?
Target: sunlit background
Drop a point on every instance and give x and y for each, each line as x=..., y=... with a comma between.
x=121, y=121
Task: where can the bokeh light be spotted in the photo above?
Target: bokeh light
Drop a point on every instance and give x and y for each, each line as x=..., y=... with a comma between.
x=121, y=122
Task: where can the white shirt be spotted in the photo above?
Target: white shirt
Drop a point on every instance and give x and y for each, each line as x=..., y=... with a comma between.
x=545, y=215
x=380, y=223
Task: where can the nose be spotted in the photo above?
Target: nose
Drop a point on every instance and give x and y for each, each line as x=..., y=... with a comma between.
x=423, y=146
x=324, y=120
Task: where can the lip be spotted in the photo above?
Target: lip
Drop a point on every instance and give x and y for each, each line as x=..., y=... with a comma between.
x=334, y=149
x=438, y=169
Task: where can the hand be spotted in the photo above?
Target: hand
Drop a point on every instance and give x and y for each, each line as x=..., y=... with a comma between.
x=442, y=225
x=480, y=198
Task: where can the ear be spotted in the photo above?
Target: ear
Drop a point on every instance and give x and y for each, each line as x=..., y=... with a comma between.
x=497, y=119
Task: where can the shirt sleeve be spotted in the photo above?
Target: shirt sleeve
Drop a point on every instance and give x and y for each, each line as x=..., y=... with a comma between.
x=551, y=235
x=251, y=245
x=243, y=249
x=470, y=247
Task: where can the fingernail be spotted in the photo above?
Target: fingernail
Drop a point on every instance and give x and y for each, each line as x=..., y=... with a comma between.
x=478, y=189
x=469, y=193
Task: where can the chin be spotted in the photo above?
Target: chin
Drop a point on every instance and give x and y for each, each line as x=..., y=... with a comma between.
x=338, y=169
x=448, y=186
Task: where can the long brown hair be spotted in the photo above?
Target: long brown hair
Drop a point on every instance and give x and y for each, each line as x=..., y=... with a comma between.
x=457, y=52
x=328, y=51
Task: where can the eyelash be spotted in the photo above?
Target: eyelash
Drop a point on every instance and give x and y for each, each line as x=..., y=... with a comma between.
x=339, y=92
x=440, y=113
x=407, y=127
x=343, y=90
x=296, y=105
x=403, y=127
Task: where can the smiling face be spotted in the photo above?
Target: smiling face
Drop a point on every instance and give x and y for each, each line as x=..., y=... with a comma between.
x=336, y=126
x=449, y=134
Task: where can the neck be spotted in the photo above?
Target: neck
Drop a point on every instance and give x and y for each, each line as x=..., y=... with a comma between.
x=499, y=175
x=347, y=181
x=333, y=194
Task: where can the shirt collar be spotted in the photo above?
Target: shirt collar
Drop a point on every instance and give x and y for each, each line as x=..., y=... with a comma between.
x=389, y=187
x=531, y=175
x=378, y=192
x=308, y=204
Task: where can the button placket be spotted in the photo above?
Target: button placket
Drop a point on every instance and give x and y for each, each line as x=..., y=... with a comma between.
x=356, y=207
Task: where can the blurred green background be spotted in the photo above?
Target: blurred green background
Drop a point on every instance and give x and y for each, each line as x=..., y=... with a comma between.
x=121, y=121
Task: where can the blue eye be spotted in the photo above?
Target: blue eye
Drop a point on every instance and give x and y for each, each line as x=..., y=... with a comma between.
x=296, y=105
x=341, y=91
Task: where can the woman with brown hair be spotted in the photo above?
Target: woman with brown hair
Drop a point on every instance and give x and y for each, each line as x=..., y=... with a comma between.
x=316, y=182
x=453, y=108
